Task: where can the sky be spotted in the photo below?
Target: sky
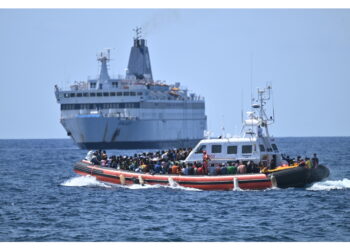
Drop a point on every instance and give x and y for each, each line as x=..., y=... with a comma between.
x=221, y=54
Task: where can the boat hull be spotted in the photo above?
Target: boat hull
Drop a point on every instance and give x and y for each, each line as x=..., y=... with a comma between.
x=222, y=182
x=300, y=176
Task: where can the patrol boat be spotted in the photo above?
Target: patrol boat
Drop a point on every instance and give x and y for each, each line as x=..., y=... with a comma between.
x=255, y=145
x=131, y=112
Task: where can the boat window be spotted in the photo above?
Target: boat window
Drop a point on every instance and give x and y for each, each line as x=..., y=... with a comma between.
x=262, y=148
x=216, y=149
x=126, y=93
x=114, y=84
x=274, y=146
x=231, y=150
x=92, y=94
x=66, y=95
x=119, y=93
x=105, y=94
x=92, y=85
x=72, y=94
x=247, y=149
x=132, y=93
x=99, y=94
x=79, y=94
x=139, y=93
x=200, y=149
x=112, y=94
x=85, y=94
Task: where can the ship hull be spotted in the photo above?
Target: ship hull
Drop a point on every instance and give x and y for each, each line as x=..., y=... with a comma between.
x=139, y=144
x=114, y=133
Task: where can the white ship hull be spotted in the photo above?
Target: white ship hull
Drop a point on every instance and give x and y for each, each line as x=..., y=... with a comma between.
x=111, y=132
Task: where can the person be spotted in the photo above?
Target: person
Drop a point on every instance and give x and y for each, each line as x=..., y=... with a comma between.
x=212, y=170
x=157, y=168
x=94, y=159
x=242, y=169
x=273, y=162
x=314, y=161
x=175, y=168
x=223, y=169
x=308, y=162
x=231, y=169
x=190, y=169
x=206, y=160
x=200, y=169
x=89, y=155
x=218, y=169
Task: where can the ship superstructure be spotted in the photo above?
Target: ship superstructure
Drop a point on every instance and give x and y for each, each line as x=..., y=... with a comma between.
x=131, y=112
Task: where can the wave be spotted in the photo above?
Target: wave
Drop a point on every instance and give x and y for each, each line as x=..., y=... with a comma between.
x=91, y=181
x=330, y=185
x=84, y=181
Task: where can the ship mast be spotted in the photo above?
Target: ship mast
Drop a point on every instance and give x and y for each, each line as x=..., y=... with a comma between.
x=103, y=80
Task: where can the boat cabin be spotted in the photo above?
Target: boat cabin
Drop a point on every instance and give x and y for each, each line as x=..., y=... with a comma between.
x=232, y=149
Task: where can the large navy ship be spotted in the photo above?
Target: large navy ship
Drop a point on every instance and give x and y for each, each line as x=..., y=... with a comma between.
x=131, y=112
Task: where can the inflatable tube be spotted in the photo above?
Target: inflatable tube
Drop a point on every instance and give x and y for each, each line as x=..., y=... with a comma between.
x=204, y=182
x=300, y=176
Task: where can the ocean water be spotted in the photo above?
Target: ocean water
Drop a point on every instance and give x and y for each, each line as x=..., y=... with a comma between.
x=42, y=199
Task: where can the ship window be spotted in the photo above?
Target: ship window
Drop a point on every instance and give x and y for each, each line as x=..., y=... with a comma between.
x=274, y=146
x=262, y=148
x=139, y=93
x=132, y=93
x=231, y=150
x=105, y=94
x=92, y=94
x=72, y=94
x=201, y=149
x=112, y=94
x=92, y=85
x=85, y=94
x=247, y=149
x=79, y=94
x=215, y=149
x=126, y=93
x=114, y=84
x=119, y=93
x=66, y=95
x=99, y=94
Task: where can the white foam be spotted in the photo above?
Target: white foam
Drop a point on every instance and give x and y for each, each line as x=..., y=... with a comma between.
x=330, y=185
x=84, y=181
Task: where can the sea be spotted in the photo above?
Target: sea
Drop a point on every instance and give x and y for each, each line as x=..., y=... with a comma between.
x=43, y=200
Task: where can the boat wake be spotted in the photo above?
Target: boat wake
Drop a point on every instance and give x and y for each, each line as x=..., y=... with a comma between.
x=91, y=181
x=84, y=181
x=330, y=185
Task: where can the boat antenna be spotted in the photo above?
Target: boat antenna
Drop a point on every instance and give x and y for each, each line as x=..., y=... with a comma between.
x=242, y=106
x=251, y=79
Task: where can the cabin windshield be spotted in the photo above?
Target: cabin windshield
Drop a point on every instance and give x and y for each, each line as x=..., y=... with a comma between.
x=200, y=149
x=262, y=148
x=274, y=146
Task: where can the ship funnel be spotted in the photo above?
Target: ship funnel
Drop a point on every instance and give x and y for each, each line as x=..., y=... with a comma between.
x=139, y=66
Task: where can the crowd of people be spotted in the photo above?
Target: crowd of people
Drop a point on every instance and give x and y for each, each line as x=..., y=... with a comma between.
x=172, y=162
